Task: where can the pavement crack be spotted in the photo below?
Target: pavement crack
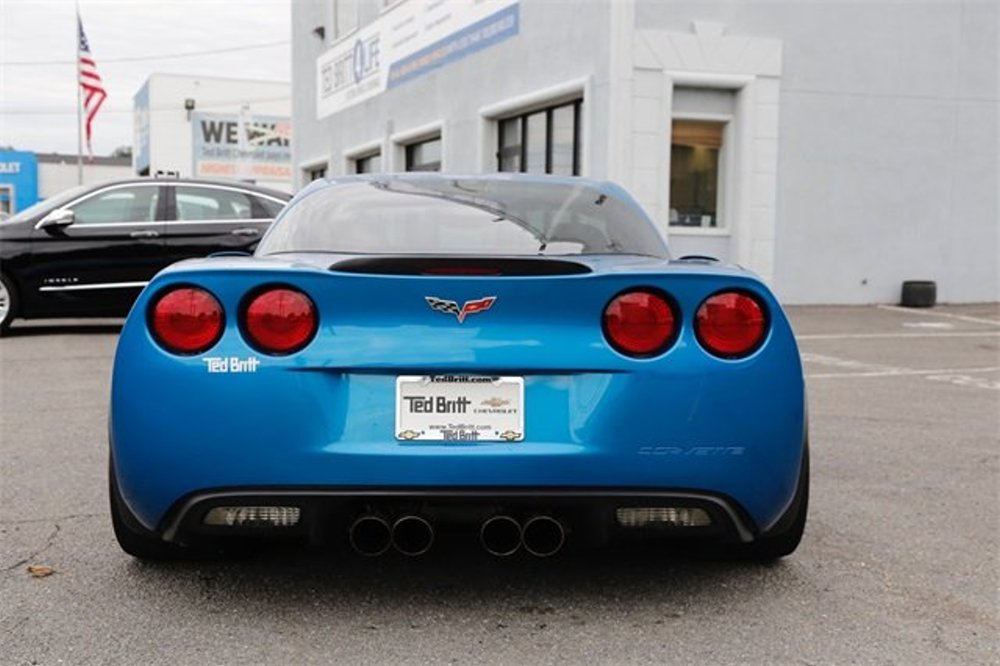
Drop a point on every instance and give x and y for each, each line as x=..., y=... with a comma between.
x=33, y=556
x=57, y=519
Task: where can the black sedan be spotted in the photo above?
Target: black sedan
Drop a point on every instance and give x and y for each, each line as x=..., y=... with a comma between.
x=88, y=252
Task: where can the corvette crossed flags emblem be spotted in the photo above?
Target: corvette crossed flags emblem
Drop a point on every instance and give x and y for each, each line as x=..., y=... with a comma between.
x=469, y=307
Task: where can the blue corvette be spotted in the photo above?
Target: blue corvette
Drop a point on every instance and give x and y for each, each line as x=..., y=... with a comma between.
x=510, y=359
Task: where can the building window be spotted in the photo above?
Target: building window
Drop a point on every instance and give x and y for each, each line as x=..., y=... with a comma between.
x=371, y=163
x=424, y=155
x=702, y=124
x=315, y=173
x=543, y=141
x=695, y=157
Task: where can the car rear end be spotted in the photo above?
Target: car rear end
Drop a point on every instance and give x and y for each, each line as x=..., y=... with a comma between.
x=525, y=401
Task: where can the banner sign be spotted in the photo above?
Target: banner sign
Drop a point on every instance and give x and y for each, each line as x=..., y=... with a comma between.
x=245, y=146
x=409, y=40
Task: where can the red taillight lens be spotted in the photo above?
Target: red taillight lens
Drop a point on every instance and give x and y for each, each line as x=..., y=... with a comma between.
x=639, y=323
x=730, y=324
x=187, y=320
x=280, y=320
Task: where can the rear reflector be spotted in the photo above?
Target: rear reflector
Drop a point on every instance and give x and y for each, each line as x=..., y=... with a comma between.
x=730, y=324
x=253, y=516
x=639, y=323
x=280, y=321
x=187, y=320
x=662, y=516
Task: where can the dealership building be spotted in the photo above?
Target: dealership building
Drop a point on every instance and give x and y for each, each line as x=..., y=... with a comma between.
x=213, y=127
x=835, y=148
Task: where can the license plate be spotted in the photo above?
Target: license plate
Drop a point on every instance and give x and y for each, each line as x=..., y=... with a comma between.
x=459, y=408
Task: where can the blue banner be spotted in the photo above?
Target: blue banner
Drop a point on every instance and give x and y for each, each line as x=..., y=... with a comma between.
x=478, y=36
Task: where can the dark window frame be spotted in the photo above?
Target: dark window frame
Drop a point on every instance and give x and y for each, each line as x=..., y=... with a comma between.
x=522, y=118
x=411, y=147
x=363, y=159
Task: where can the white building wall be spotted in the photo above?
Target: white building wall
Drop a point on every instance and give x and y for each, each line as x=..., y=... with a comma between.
x=170, y=130
x=888, y=151
x=311, y=141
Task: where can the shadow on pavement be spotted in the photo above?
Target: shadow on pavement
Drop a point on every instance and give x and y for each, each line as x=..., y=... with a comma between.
x=464, y=576
x=28, y=329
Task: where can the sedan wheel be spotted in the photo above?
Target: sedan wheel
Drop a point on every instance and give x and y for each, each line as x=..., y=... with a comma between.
x=8, y=303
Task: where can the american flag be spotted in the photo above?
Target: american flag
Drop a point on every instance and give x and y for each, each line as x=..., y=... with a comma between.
x=90, y=81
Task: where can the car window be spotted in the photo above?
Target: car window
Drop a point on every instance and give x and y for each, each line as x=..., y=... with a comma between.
x=270, y=207
x=51, y=203
x=466, y=216
x=122, y=204
x=209, y=203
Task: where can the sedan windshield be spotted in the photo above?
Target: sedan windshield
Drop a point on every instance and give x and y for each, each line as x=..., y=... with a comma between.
x=421, y=214
x=45, y=205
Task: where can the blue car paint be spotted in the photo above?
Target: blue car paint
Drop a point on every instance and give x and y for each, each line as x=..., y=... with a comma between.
x=324, y=416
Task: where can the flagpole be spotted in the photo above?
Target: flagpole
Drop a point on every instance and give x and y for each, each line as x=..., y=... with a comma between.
x=79, y=104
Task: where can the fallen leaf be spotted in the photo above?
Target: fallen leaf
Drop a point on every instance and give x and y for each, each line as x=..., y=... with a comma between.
x=40, y=570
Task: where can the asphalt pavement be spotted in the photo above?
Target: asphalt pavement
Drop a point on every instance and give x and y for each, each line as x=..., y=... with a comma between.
x=899, y=564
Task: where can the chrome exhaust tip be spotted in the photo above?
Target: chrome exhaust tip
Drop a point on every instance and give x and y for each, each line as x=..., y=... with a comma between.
x=543, y=536
x=500, y=535
x=370, y=535
x=412, y=535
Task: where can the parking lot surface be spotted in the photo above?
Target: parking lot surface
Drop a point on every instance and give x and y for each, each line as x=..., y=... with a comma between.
x=899, y=564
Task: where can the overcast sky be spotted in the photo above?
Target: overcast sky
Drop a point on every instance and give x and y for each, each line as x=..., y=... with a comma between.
x=38, y=101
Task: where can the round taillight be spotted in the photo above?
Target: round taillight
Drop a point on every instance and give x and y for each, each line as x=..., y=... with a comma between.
x=730, y=324
x=280, y=320
x=187, y=320
x=639, y=323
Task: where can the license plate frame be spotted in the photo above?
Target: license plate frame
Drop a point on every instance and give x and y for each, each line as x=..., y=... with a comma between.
x=459, y=409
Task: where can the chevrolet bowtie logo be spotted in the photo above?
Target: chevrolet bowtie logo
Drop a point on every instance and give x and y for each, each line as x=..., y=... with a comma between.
x=469, y=307
x=495, y=402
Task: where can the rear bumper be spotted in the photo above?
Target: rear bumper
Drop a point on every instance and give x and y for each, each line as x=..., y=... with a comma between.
x=712, y=434
x=755, y=486
x=590, y=514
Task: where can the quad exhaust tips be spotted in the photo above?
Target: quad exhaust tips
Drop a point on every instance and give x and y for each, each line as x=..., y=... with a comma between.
x=501, y=535
x=542, y=536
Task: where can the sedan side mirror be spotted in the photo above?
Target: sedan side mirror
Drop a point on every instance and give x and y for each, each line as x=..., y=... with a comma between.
x=60, y=217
